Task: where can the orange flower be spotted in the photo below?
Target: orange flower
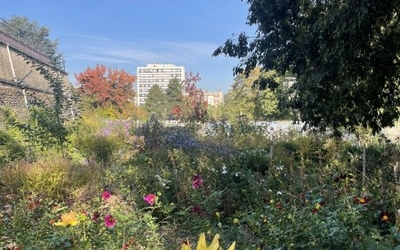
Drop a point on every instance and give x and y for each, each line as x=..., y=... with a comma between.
x=384, y=216
x=362, y=200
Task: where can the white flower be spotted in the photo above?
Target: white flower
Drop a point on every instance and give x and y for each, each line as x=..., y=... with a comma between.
x=224, y=169
x=279, y=193
x=162, y=181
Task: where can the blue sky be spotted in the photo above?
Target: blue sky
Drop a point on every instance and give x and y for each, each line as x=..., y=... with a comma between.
x=125, y=34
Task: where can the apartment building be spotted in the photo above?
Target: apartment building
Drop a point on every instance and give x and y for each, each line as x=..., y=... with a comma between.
x=214, y=98
x=156, y=74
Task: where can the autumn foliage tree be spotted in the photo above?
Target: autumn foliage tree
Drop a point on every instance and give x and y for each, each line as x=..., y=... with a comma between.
x=196, y=104
x=107, y=86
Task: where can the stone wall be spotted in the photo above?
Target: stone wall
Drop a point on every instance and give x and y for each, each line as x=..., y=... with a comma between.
x=35, y=84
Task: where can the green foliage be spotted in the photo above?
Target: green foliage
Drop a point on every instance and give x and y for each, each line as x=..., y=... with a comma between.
x=251, y=97
x=134, y=228
x=174, y=94
x=156, y=101
x=97, y=147
x=262, y=189
x=37, y=133
x=45, y=126
x=344, y=55
x=57, y=178
x=10, y=149
x=153, y=132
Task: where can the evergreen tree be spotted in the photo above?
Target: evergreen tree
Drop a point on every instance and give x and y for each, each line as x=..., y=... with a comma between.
x=156, y=102
x=174, y=97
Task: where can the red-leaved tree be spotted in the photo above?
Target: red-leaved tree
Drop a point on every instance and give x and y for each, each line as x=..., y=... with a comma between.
x=107, y=86
x=195, y=99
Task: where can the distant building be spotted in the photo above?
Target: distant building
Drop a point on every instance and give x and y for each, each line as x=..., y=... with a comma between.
x=214, y=98
x=156, y=74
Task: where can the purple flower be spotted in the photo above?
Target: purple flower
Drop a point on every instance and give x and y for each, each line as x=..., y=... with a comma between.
x=196, y=181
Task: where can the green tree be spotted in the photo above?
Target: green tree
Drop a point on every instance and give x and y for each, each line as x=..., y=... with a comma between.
x=156, y=102
x=345, y=55
x=35, y=36
x=174, y=97
x=247, y=98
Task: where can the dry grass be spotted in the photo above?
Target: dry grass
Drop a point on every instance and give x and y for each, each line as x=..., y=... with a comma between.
x=56, y=178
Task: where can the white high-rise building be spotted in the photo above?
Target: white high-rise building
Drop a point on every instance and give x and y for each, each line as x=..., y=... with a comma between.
x=156, y=74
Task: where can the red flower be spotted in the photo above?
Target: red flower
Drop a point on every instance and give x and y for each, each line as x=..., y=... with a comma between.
x=150, y=198
x=109, y=221
x=106, y=195
x=279, y=205
x=95, y=216
x=128, y=244
x=362, y=200
x=198, y=210
x=196, y=181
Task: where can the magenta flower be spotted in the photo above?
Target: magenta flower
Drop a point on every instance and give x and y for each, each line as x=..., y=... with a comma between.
x=196, y=181
x=150, y=198
x=109, y=221
x=106, y=195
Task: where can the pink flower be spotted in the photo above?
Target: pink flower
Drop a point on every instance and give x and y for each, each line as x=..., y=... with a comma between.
x=196, y=181
x=109, y=221
x=150, y=198
x=106, y=195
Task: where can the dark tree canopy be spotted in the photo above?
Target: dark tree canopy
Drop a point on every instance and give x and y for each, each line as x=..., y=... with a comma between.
x=344, y=54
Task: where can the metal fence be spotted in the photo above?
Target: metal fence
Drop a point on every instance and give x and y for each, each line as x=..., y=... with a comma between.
x=17, y=45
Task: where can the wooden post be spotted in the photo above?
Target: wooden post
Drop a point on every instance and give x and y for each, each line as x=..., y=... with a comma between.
x=364, y=167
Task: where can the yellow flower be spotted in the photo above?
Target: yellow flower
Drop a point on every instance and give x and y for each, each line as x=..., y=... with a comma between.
x=68, y=219
x=202, y=245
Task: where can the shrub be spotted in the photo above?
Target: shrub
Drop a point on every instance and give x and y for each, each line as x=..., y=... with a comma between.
x=10, y=149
